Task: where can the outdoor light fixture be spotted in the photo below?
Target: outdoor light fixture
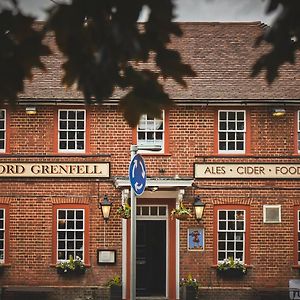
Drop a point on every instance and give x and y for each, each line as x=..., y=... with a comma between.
x=199, y=208
x=105, y=207
x=31, y=110
x=278, y=112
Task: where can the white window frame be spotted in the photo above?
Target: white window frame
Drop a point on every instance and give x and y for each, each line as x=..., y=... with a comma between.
x=298, y=131
x=152, y=144
x=66, y=239
x=75, y=130
x=4, y=130
x=243, y=231
x=265, y=207
x=232, y=131
x=3, y=229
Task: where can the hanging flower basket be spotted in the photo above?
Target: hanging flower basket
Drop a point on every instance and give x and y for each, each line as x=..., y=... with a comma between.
x=124, y=211
x=181, y=212
x=181, y=217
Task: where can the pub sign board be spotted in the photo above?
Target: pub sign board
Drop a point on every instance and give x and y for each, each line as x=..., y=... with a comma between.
x=246, y=170
x=57, y=170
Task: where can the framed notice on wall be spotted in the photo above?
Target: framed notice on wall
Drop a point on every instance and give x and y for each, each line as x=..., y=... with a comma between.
x=196, y=239
x=106, y=256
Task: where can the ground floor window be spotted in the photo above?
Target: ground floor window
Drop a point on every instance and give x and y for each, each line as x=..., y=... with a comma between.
x=71, y=232
x=298, y=236
x=2, y=235
x=231, y=233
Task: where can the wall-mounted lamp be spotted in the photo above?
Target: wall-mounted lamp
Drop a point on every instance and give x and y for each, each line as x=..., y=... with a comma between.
x=31, y=110
x=105, y=207
x=199, y=208
x=278, y=112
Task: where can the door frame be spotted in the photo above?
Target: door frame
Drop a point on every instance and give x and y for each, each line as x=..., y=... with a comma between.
x=159, y=218
x=165, y=197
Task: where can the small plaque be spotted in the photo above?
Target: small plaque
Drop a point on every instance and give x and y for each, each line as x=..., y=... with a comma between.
x=106, y=256
x=196, y=239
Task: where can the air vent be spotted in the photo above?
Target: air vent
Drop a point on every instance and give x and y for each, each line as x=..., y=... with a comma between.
x=272, y=213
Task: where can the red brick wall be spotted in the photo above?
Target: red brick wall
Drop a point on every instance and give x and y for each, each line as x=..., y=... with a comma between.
x=191, y=139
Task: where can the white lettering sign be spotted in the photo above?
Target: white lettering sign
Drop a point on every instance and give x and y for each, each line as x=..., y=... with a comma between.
x=54, y=170
x=215, y=170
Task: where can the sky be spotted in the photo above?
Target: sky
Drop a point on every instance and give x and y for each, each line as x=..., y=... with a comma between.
x=190, y=10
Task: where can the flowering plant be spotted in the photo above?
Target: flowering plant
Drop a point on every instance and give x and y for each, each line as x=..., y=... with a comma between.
x=71, y=266
x=232, y=264
x=189, y=281
x=115, y=281
x=181, y=212
x=124, y=211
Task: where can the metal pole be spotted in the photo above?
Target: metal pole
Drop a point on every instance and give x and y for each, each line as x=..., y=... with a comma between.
x=133, y=151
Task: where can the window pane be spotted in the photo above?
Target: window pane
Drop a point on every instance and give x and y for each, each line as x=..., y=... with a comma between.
x=80, y=115
x=222, y=225
x=71, y=114
x=71, y=145
x=223, y=126
x=80, y=125
x=63, y=114
x=62, y=145
x=153, y=210
x=231, y=145
x=222, y=145
x=70, y=214
x=162, y=211
x=231, y=215
x=222, y=215
x=80, y=135
x=240, y=146
x=80, y=145
x=240, y=115
x=231, y=125
x=63, y=125
x=222, y=115
x=222, y=245
x=231, y=115
x=62, y=135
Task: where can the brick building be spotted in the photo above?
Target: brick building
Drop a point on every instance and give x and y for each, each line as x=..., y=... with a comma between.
x=221, y=142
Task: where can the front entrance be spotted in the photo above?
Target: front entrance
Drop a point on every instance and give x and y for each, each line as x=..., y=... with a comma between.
x=151, y=257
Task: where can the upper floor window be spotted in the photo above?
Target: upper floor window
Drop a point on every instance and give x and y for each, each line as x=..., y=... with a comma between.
x=231, y=131
x=70, y=233
x=71, y=130
x=2, y=129
x=2, y=235
x=231, y=234
x=151, y=132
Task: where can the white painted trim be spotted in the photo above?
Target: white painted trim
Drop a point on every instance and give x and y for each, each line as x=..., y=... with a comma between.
x=265, y=207
x=124, y=257
x=159, y=182
x=177, y=257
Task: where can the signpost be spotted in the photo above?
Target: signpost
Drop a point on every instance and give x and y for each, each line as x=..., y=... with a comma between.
x=137, y=178
x=137, y=174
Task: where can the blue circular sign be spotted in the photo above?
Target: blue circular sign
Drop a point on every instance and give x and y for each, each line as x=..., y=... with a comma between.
x=137, y=174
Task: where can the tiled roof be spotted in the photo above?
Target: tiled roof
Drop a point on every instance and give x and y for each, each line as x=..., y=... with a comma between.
x=222, y=54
